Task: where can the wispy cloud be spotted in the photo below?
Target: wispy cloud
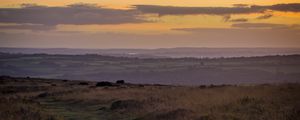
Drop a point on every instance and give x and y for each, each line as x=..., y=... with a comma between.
x=239, y=20
x=33, y=27
x=260, y=25
x=292, y=7
x=227, y=18
x=237, y=9
x=174, y=10
x=245, y=27
x=240, y=5
x=265, y=16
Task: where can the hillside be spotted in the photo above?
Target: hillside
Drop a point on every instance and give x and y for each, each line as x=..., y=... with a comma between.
x=49, y=99
x=182, y=71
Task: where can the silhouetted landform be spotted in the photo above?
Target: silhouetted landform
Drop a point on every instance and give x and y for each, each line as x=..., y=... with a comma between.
x=161, y=52
x=182, y=71
x=37, y=99
x=191, y=71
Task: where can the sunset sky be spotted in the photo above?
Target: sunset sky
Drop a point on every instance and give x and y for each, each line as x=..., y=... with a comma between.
x=149, y=23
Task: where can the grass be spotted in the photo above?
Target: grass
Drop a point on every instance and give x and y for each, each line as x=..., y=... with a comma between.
x=71, y=100
x=22, y=109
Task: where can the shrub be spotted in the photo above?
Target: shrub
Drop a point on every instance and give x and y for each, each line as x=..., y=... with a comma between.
x=202, y=86
x=83, y=83
x=120, y=82
x=105, y=83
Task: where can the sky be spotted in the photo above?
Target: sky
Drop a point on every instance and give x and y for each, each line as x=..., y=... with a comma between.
x=149, y=23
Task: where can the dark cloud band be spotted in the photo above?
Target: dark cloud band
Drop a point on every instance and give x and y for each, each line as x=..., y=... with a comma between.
x=260, y=25
x=78, y=14
x=33, y=27
x=171, y=10
x=83, y=14
x=237, y=9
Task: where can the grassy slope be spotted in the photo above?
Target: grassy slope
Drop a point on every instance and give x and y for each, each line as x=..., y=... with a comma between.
x=56, y=99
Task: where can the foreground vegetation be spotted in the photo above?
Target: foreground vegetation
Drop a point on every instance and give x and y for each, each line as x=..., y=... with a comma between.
x=48, y=99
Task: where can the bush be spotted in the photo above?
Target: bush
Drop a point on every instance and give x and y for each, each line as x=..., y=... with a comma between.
x=120, y=82
x=83, y=83
x=100, y=84
x=202, y=86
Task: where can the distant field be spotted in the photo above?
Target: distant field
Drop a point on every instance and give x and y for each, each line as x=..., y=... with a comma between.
x=48, y=99
x=182, y=71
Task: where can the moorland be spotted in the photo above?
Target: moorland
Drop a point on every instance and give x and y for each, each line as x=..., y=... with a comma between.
x=54, y=99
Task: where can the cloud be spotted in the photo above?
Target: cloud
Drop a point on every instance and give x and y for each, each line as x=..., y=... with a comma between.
x=83, y=14
x=246, y=27
x=78, y=14
x=33, y=27
x=292, y=7
x=240, y=5
x=237, y=9
x=266, y=16
x=173, y=10
x=239, y=20
x=260, y=25
x=83, y=5
x=226, y=18
x=30, y=5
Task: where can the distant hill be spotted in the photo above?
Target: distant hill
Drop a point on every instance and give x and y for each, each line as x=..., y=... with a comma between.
x=188, y=71
x=162, y=52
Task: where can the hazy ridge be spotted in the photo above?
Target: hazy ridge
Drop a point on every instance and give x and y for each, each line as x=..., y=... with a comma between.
x=161, y=52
